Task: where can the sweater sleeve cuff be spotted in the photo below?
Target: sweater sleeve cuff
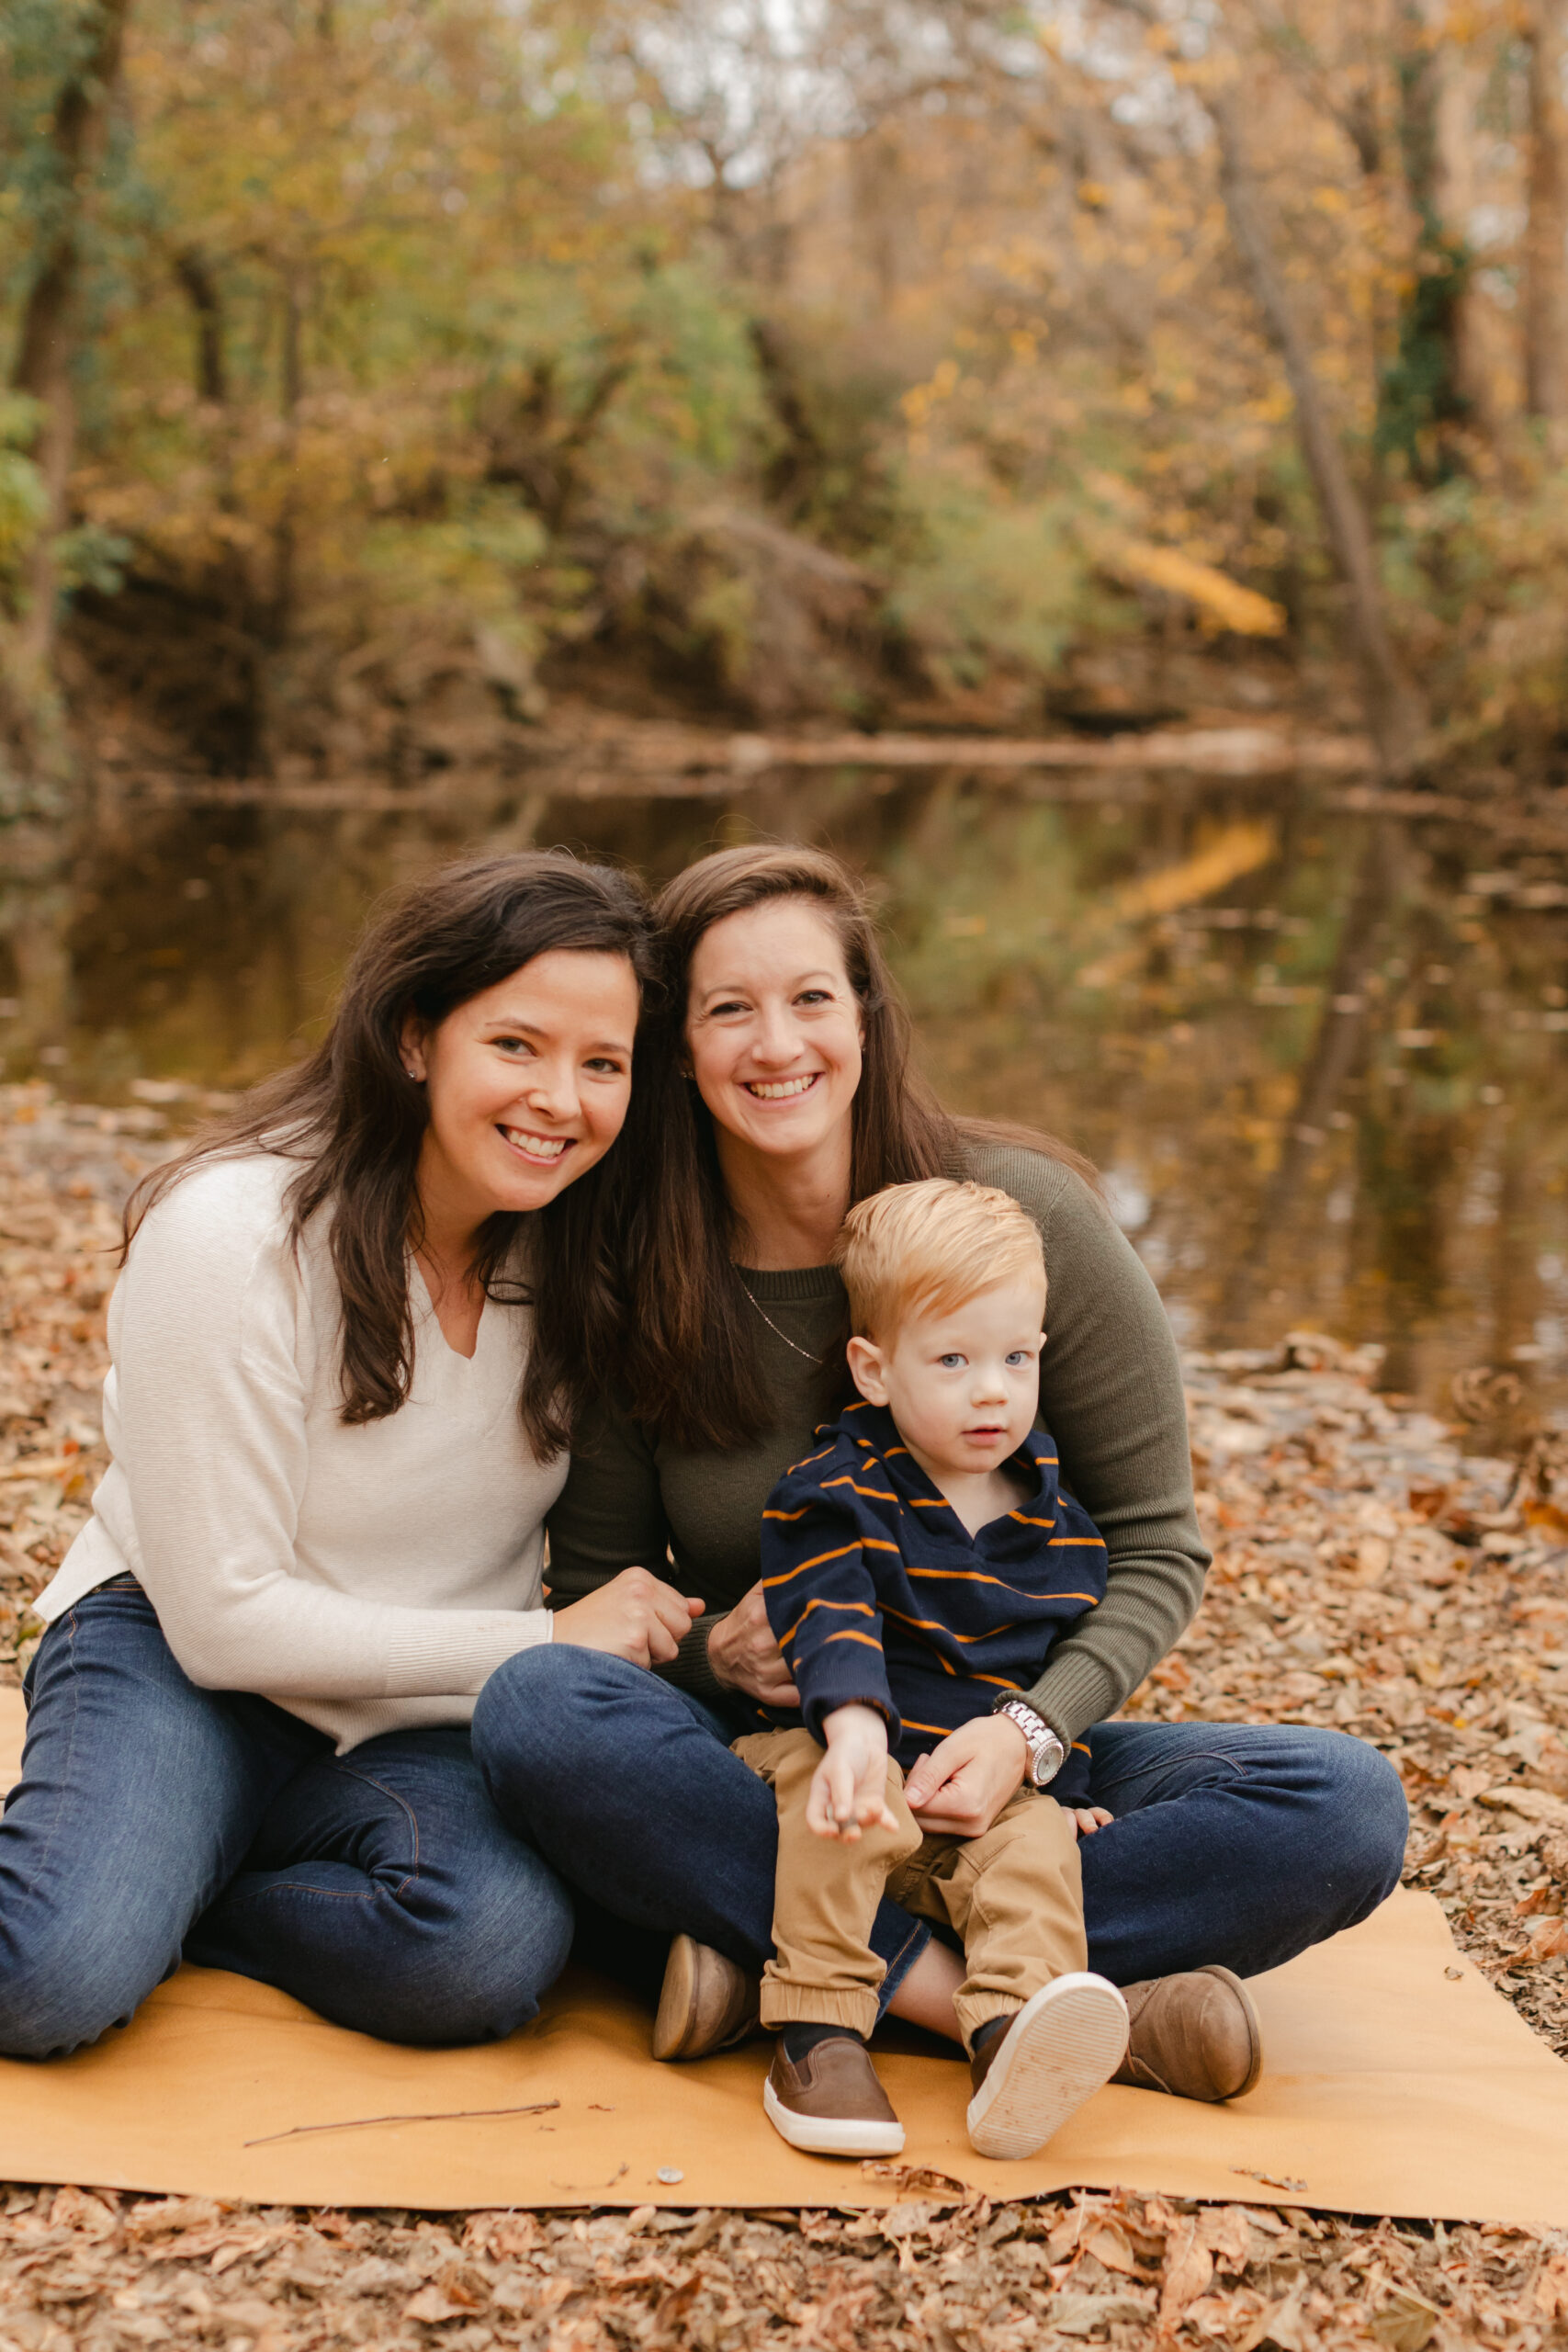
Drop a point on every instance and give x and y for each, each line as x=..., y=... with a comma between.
x=459, y=1653
x=689, y=1669
x=815, y=1712
x=1074, y=1692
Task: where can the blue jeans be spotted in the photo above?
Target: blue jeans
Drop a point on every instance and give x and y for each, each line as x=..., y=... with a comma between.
x=1242, y=1843
x=154, y=1819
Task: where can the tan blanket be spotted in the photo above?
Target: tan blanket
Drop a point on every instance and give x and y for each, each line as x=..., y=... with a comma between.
x=1395, y=2082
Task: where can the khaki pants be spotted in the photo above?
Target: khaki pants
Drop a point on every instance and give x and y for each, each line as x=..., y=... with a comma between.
x=1014, y=1896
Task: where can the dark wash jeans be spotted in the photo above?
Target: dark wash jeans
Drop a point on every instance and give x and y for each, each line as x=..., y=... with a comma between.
x=382, y=1888
x=1242, y=1843
x=154, y=1818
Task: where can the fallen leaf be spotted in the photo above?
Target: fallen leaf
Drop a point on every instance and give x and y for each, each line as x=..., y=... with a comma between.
x=1406, y=2322
x=458, y=2293
x=1552, y=2285
x=1109, y=2245
x=243, y=2247
x=74, y=2209
x=1074, y=2314
x=1188, y=2267
x=913, y=2176
x=1548, y=1939
x=1281, y=2325
x=903, y=2220
x=162, y=2217
x=1534, y=1804
x=1226, y=2231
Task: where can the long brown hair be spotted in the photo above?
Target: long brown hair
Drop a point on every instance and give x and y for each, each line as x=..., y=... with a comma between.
x=354, y=1120
x=692, y=1364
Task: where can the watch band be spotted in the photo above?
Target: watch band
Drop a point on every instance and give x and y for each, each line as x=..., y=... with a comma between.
x=1047, y=1750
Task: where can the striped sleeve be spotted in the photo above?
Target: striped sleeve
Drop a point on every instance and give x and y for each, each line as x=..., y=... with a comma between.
x=821, y=1603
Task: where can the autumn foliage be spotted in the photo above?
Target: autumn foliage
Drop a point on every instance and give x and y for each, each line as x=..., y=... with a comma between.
x=851, y=360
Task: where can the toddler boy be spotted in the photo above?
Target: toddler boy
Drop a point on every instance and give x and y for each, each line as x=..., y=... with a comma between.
x=918, y=1567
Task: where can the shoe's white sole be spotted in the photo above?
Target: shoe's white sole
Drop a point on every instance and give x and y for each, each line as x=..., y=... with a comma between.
x=831, y=2135
x=1064, y=2043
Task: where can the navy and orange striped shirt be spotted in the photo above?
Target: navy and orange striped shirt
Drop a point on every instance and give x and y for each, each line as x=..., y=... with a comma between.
x=878, y=1594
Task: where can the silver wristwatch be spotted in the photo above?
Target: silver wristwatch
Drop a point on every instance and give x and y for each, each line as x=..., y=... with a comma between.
x=1046, y=1753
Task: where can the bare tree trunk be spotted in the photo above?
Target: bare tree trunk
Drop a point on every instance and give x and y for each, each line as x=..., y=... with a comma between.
x=277, y=609
x=1546, y=230
x=47, y=344
x=1461, y=89
x=1330, y=1064
x=1423, y=404
x=195, y=274
x=1396, y=717
x=37, y=813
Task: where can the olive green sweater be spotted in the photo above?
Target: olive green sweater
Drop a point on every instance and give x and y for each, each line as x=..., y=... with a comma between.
x=1109, y=1393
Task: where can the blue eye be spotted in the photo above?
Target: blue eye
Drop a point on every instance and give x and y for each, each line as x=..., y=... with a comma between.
x=1018, y=1355
x=951, y=1363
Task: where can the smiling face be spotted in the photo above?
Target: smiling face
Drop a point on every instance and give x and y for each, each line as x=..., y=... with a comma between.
x=773, y=1029
x=526, y=1085
x=963, y=1383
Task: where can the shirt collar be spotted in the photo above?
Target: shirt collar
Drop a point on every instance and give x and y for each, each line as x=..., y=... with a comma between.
x=873, y=1426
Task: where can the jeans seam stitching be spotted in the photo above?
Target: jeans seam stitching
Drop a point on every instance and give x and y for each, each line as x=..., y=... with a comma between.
x=299, y=1887
x=1240, y=1770
x=70, y=1744
x=367, y=1779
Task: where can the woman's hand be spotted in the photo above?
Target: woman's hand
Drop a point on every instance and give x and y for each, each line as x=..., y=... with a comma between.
x=634, y=1616
x=745, y=1656
x=960, y=1787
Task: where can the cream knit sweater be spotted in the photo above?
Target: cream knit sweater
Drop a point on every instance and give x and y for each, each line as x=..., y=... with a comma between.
x=367, y=1579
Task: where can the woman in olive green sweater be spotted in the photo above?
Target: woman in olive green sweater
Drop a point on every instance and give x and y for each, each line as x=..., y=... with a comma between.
x=780, y=1093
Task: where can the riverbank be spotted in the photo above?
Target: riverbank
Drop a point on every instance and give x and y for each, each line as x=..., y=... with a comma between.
x=1369, y=1572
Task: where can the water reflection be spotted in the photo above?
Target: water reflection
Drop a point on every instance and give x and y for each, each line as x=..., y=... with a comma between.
x=1319, y=1056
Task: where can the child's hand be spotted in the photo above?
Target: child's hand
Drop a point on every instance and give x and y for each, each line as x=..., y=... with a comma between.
x=849, y=1788
x=1085, y=1820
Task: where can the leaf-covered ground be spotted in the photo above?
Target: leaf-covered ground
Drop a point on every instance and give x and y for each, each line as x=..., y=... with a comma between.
x=1367, y=1574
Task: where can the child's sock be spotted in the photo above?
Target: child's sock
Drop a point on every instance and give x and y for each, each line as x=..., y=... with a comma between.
x=800, y=2039
x=988, y=2032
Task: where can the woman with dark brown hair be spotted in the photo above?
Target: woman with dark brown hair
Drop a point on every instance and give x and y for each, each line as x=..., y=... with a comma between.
x=351, y=1335
x=779, y=1092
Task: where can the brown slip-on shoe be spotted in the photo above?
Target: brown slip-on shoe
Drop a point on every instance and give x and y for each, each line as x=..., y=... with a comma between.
x=706, y=2002
x=1063, y=2044
x=1195, y=2035
x=831, y=2104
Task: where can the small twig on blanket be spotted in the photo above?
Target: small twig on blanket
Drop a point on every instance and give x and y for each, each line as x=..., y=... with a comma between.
x=364, y=2122
x=586, y=2187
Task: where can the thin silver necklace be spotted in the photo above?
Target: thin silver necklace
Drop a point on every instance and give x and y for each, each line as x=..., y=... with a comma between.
x=775, y=1328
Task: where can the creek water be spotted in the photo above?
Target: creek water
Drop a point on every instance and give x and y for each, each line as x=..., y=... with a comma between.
x=1147, y=972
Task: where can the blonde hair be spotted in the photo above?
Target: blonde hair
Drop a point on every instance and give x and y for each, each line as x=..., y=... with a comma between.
x=926, y=1248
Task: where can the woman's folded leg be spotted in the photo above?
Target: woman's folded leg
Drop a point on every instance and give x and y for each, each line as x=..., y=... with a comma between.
x=1240, y=1843
x=629, y=1787
x=385, y=1891
x=138, y=1795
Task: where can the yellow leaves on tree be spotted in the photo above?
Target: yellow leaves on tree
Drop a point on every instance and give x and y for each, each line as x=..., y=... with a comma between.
x=1223, y=602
